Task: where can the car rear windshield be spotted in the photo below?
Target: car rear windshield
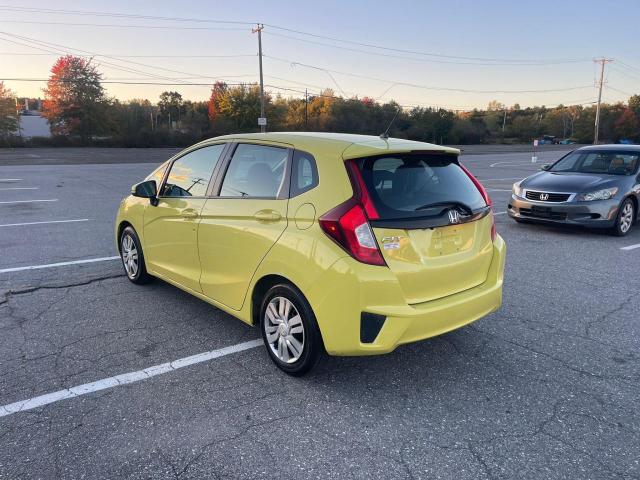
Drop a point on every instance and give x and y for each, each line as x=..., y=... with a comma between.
x=408, y=185
x=602, y=162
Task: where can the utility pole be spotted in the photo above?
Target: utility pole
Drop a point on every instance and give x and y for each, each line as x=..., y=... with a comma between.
x=504, y=119
x=306, y=109
x=262, y=121
x=602, y=61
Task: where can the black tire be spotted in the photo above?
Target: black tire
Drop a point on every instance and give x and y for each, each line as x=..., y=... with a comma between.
x=311, y=340
x=622, y=226
x=137, y=275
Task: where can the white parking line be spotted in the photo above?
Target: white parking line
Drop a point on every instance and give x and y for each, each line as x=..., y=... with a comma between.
x=31, y=201
x=631, y=247
x=59, y=264
x=496, y=179
x=493, y=165
x=495, y=213
x=10, y=179
x=42, y=223
x=20, y=188
x=124, y=378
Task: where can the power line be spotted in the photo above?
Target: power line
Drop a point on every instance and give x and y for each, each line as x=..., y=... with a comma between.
x=117, y=55
x=290, y=30
x=523, y=63
x=416, y=52
x=116, y=15
x=54, y=46
x=114, y=25
x=425, y=87
x=63, y=52
x=467, y=108
x=621, y=91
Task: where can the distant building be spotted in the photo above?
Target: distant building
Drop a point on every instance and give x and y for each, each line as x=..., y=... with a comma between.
x=33, y=124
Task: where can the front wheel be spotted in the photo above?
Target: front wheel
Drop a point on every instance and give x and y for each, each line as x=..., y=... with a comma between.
x=132, y=257
x=289, y=330
x=625, y=218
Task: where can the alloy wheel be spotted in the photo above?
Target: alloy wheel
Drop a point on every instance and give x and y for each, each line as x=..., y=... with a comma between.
x=626, y=217
x=284, y=329
x=129, y=256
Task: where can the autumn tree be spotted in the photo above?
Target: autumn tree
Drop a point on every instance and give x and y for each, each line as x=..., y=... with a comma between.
x=218, y=92
x=75, y=102
x=627, y=125
x=8, y=115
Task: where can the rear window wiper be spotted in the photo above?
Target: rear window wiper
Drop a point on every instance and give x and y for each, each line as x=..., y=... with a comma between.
x=463, y=206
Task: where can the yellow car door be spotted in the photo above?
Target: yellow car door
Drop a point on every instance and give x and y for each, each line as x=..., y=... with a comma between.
x=171, y=224
x=239, y=225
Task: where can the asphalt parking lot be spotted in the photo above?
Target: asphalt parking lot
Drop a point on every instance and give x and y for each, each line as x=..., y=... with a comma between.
x=546, y=388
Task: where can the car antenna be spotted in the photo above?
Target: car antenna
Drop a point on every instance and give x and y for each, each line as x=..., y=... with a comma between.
x=385, y=135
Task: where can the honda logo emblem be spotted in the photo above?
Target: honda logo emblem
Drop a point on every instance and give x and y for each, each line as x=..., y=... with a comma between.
x=454, y=216
x=544, y=197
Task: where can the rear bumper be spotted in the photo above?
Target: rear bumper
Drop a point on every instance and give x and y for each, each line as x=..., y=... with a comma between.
x=351, y=288
x=596, y=214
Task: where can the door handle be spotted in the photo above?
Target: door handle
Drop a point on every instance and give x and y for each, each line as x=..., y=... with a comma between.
x=267, y=216
x=188, y=213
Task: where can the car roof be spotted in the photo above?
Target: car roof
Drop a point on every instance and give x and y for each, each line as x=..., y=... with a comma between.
x=611, y=147
x=345, y=144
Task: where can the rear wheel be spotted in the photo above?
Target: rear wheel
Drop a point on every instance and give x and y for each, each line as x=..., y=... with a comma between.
x=289, y=330
x=132, y=257
x=625, y=218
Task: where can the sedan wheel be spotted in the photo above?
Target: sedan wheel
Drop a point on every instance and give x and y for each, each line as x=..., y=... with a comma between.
x=625, y=219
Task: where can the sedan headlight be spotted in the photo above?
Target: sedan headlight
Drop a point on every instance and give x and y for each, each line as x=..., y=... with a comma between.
x=516, y=189
x=604, y=194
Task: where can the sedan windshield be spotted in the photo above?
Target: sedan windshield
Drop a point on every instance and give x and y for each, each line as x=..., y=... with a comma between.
x=600, y=162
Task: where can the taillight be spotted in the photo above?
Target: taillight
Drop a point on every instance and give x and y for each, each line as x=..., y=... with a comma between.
x=486, y=197
x=361, y=190
x=348, y=223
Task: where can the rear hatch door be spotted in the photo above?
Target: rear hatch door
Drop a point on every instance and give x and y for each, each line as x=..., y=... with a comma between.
x=434, y=225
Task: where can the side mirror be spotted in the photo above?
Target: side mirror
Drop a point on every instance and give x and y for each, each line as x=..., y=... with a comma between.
x=545, y=167
x=147, y=189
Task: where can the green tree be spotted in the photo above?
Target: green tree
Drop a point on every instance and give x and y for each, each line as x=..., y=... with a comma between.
x=634, y=104
x=241, y=105
x=8, y=114
x=75, y=102
x=171, y=107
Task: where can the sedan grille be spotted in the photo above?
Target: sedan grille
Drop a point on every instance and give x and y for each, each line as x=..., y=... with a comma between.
x=547, y=197
x=548, y=213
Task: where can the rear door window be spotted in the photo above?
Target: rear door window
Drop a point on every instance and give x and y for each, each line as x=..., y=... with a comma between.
x=255, y=171
x=406, y=186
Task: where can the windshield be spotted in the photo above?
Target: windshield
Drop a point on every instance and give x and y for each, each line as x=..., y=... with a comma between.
x=410, y=185
x=602, y=162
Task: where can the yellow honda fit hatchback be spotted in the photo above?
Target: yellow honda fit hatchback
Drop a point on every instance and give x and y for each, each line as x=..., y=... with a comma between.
x=348, y=244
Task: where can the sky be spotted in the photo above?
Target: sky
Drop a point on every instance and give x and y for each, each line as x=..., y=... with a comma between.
x=457, y=54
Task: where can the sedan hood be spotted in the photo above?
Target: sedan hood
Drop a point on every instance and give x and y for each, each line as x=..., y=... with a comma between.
x=567, y=182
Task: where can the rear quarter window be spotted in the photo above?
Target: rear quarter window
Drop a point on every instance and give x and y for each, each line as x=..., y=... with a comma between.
x=402, y=185
x=304, y=173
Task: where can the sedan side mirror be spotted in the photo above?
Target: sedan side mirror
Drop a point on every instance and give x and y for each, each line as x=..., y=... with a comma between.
x=147, y=189
x=545, y=167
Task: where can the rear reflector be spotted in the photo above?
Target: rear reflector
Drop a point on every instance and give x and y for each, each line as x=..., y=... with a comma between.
x=370, y=326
